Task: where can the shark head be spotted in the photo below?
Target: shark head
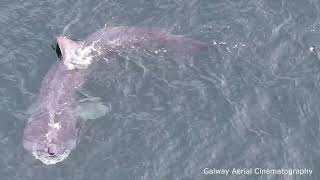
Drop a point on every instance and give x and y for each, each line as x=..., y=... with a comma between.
x=47, y=149
x=51, y=154
x=50, y=142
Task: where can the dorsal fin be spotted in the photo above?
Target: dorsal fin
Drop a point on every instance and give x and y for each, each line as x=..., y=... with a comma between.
x=57, y=50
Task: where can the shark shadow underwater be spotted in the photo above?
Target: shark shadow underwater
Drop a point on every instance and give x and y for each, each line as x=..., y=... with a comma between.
x=51, y=132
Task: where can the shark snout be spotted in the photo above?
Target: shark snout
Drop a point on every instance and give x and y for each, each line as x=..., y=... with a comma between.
x=52, y=150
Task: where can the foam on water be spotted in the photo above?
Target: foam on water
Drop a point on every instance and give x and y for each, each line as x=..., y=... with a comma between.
x=43, y=157
x=82, y=57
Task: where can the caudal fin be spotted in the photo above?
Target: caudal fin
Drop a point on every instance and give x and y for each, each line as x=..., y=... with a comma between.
x=185, y=45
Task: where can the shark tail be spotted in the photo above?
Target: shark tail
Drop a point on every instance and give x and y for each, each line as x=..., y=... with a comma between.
x=185, y=45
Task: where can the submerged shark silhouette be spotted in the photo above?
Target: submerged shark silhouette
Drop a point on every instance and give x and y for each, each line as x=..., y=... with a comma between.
x=51, y=132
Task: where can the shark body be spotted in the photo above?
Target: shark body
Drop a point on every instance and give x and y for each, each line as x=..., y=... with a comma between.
x=51, y=132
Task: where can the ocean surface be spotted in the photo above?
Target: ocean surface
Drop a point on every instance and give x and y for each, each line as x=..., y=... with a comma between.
x=252, y=101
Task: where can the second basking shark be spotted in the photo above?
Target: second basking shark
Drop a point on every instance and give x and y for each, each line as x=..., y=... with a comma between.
x=52, y=132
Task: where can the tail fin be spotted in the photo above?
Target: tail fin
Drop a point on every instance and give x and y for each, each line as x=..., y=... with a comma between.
x=183, y=44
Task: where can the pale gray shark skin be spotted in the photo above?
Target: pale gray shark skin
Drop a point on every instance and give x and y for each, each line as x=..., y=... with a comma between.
x=51, y=132
x=121, y=37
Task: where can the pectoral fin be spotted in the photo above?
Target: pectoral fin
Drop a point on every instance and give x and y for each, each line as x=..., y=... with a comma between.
x=91, y=108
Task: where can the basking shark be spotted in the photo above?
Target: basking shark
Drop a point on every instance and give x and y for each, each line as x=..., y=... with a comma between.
x=52, y=132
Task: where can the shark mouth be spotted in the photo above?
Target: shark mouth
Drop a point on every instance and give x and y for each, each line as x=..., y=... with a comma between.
x=48, y=159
